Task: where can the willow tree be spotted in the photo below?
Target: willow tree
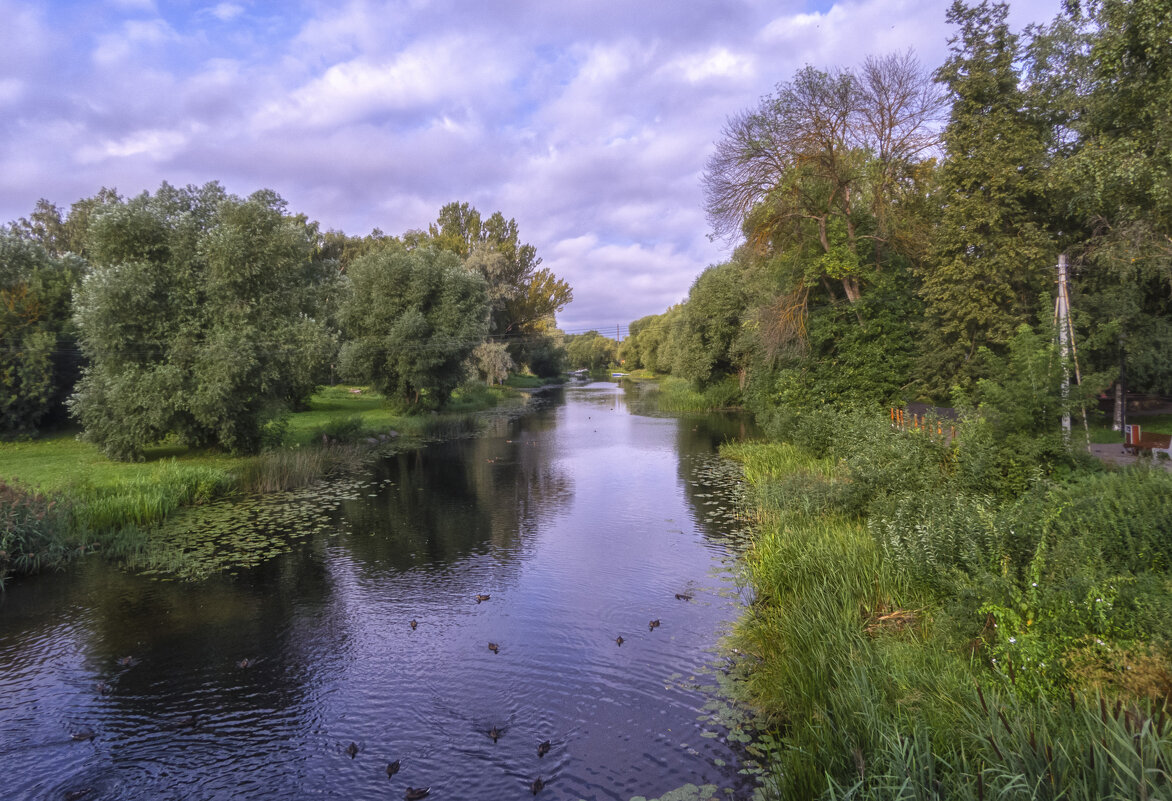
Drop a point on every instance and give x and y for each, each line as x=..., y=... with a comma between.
x=412, y=320
x=198, y=319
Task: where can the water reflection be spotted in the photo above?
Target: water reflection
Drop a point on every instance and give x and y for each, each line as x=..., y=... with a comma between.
x=581, y=522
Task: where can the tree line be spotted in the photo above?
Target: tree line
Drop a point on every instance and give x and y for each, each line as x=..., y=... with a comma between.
x=196, y=315
x=900, y=227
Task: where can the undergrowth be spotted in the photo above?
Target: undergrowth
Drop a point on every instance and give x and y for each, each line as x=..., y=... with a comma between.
x=956, y=618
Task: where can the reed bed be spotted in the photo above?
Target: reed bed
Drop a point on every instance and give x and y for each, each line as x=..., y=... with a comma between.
x=924, y=629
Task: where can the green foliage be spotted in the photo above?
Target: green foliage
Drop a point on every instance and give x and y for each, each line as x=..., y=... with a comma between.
x=198, y=320
x=865, y=642
x=591, y=351
x=37, y=362
x=707, y=331
x=523, y=296
x=992, y=249
x=33, y=532
x=412, y=319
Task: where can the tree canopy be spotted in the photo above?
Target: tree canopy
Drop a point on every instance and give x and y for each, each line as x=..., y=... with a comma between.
x=197, y=319
x=412, y=320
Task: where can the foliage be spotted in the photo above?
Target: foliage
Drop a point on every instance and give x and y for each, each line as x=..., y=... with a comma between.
x=954, y=642
x=197, y=319
x=591, y=351
x=32, y=529
x=524, y=297
x=992, y=249
x=37, y=346
x=492, y=362
x=412, y=319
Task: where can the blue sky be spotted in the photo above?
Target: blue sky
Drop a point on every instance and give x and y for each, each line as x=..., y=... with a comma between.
x=588, y=122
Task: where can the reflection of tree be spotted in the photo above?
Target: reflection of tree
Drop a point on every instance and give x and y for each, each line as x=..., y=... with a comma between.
x=442, y=503
x=709, y=484
x=186, y=638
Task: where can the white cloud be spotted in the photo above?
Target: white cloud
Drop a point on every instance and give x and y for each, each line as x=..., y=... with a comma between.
x=129, y=40
x=226, y=12
x=11, y=90
x=155, y=144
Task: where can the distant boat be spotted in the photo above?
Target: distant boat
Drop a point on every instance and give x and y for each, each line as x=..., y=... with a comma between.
x=618, y=375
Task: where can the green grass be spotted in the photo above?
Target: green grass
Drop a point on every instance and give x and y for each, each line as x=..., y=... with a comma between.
x=679, y=395
x=882, y=680
x=1102, y=433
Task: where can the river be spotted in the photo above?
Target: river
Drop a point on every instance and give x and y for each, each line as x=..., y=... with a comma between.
x=582, y=521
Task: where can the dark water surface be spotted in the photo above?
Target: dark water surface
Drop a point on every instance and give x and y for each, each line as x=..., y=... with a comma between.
x=581, y=520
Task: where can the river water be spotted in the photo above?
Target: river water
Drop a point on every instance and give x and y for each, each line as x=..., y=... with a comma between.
x=581, y=521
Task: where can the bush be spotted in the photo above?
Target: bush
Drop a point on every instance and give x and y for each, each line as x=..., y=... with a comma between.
x=34, y=533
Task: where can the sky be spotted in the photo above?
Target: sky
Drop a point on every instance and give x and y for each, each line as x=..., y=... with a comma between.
x=589, y=122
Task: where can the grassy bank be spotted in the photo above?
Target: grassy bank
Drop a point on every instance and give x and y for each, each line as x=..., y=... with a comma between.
x=679, y=395
x=939, y=620
x=62, y=497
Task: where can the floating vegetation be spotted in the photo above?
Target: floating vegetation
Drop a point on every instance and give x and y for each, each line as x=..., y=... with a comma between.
x=225, y=536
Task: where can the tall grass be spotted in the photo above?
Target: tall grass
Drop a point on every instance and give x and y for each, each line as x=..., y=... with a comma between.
x=895, y=574
x=33, y=532
x=680, y=395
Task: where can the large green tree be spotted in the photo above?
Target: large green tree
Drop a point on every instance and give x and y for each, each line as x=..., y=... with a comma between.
x=993, y=251
x=524, y=295
x=199, y=319
x=1119, y=181
x=412, y=320
x=38, y=360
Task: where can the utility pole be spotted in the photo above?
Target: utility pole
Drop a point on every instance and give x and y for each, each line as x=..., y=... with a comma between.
x=1063, y=346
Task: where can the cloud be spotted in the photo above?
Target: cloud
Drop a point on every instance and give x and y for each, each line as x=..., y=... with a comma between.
x=588, y=122
x=226, y=12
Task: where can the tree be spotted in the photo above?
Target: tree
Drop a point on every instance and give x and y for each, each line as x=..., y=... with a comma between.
x=524, y=296
x=38, y=363
x=709, y=330
x=993, y=251
x=412, y=320
x=1118, y=180
x=591, y=351
x=492, y=361
x=198, y=320
x=818, y=170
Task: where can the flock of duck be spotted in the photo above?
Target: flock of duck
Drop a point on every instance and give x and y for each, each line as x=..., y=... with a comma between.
x=352, y=750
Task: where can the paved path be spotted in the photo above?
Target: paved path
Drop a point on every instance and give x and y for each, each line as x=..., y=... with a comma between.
x=1114, y=454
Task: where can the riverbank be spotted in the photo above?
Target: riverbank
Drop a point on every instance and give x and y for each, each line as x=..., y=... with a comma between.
x=62, y=497
x=954, y=620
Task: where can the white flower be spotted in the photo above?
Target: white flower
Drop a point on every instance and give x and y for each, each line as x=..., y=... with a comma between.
x=1013, y=639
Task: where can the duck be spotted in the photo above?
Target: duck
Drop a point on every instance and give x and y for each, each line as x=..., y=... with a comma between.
x=683, y=596
x=392, y=768
x=537, y=785
x=352, y=750
x=618, y=640
x=82, y=735
x=495, y=733
x=480, y=598
x=492, y=646
x=126, y=661
x=654, y=624
x=414, y=623
x=246, y=663
x=416, y=793
x=103, y=688
x=543, y=748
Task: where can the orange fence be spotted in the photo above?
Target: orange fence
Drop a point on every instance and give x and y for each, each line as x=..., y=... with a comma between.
x=901, y=419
